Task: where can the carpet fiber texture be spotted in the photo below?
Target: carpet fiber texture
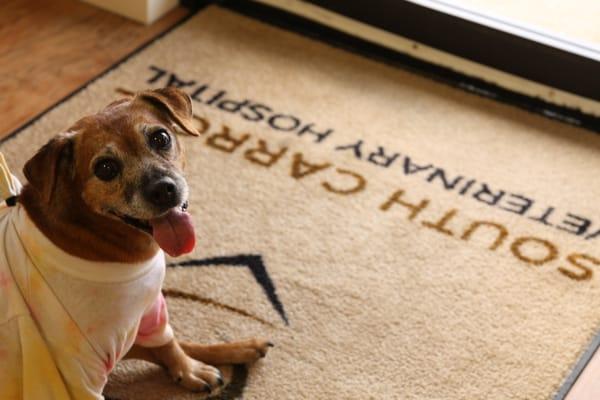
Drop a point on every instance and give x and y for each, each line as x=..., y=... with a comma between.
x=396, y=238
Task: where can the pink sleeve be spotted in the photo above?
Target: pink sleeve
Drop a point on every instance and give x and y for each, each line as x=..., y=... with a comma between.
x=154, y=329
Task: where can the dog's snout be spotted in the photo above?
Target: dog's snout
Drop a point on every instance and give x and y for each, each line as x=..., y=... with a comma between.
x=163, y=193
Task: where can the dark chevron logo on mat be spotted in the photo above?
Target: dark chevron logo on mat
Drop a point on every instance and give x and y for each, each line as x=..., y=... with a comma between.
x=256, y=266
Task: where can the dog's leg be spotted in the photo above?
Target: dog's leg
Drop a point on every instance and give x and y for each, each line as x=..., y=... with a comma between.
x=185, y=370
x=243, y=352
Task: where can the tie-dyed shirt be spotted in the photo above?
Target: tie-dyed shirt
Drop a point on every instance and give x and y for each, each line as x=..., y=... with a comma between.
x=66, y=321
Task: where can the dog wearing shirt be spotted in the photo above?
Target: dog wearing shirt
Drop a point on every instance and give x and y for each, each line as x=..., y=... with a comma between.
x=81, y=256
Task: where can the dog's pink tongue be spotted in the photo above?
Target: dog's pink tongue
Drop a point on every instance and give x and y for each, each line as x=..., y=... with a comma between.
x=174, y=232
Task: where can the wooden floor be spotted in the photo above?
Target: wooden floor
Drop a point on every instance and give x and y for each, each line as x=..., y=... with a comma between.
x=48, y=48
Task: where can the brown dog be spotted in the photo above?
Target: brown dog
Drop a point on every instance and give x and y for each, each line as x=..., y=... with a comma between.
x=111, y=191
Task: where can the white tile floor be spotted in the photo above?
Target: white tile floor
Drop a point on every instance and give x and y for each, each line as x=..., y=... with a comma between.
x=575, y=19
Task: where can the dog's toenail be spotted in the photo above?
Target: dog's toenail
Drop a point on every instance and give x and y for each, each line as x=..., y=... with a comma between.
x=220, y=381
x=207, y=388
x=270, y=344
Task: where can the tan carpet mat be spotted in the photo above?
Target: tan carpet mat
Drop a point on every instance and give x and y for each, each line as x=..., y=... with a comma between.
x=396, y=238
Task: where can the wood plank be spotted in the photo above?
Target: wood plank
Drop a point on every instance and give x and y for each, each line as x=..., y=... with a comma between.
x=49, y=48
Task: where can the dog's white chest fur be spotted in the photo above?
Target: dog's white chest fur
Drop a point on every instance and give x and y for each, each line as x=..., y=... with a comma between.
x=64, y=321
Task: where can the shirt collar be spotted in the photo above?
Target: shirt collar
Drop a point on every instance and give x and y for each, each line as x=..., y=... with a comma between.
x=45, y=254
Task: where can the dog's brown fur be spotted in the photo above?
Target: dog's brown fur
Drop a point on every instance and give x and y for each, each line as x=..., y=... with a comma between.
x=69, y=206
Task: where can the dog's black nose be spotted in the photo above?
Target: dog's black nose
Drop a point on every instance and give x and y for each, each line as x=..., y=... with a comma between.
x=162, y=193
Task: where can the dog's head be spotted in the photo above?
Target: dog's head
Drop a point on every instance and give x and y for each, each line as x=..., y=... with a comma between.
x=125, y=163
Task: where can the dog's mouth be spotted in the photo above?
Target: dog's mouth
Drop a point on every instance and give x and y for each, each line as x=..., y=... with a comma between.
x=173, y=230
x=143, y=225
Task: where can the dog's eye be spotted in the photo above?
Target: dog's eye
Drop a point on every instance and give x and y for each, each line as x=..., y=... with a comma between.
x=160, y=140
x=107, y=169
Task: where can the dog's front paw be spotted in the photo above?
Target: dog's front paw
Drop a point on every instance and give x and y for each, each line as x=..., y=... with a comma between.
x=242, y=352
x=197, y=376
x=250, y=351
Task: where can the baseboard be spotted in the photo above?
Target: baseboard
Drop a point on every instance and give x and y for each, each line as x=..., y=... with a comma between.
x=144, y=11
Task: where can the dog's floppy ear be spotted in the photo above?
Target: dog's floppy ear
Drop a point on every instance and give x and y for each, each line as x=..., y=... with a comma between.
x=177, y=104
x=44, y=168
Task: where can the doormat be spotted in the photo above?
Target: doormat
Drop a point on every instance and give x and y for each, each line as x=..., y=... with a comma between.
x=396, y=238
